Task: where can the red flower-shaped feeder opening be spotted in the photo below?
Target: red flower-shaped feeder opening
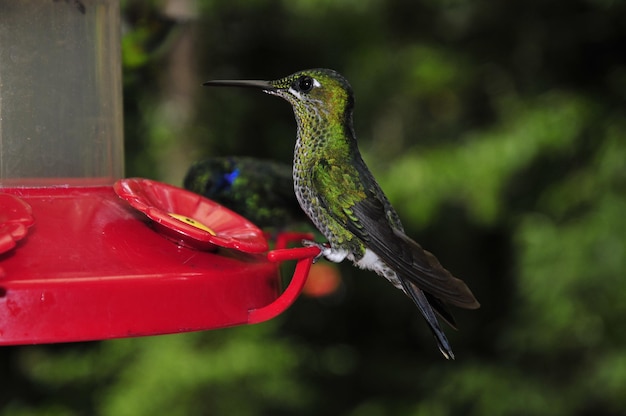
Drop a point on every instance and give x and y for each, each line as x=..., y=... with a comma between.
x=15, y=218
x=190, y=219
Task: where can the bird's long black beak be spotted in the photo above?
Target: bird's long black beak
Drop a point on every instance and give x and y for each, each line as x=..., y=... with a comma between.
x=263, y=85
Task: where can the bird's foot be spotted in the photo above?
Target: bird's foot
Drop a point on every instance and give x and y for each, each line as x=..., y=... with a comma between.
x=326, y=251
x=324, y=247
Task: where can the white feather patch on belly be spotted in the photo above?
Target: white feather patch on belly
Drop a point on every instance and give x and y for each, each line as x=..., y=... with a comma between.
x=334, y=255
x=371, y=261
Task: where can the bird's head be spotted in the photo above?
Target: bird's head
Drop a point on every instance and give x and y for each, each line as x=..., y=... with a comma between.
x=314, y=94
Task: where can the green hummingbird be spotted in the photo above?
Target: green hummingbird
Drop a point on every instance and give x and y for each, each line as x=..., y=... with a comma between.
x=340, y=195
x=260, y=190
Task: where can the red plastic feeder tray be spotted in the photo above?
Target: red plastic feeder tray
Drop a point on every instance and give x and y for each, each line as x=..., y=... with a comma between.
x=92, y=267
x=78, y=262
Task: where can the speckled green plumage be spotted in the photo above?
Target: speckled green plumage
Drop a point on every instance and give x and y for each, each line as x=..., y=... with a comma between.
x=324, y=178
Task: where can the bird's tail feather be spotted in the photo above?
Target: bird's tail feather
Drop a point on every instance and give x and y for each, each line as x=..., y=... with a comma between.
x=421, y=301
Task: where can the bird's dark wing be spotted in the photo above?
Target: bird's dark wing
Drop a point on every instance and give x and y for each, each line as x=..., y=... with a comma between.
x=406, y=257
x=363, y=209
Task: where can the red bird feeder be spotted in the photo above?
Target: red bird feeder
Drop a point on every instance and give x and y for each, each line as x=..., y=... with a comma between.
x=85, y=255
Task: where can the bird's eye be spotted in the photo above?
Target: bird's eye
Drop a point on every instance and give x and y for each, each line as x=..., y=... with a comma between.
x=305, y=84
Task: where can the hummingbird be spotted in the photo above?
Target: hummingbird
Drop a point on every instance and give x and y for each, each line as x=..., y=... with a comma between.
x=336, y=189
x=260, y=190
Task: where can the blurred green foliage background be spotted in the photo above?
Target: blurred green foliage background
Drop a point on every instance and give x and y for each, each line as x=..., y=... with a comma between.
x=496, y=128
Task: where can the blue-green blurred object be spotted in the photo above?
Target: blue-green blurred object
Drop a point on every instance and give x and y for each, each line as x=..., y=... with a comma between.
x=260, y=190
